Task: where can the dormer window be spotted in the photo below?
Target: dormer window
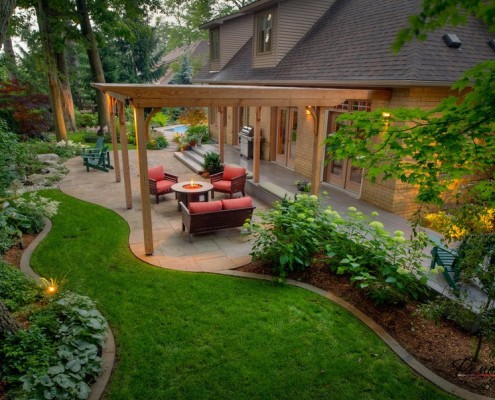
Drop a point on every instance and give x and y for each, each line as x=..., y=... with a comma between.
x=264, y=25
x=215, y=44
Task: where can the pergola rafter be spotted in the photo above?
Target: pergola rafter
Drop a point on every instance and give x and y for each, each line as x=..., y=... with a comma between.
x=141, y=96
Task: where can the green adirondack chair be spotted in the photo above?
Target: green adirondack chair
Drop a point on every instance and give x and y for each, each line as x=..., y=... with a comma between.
x=99, y=160
x=92, y=150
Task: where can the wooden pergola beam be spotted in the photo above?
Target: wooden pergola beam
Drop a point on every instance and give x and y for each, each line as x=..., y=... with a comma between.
x=156, y=96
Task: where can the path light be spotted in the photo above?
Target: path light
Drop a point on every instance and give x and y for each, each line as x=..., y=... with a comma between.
x=386, y=114
x=50, y=286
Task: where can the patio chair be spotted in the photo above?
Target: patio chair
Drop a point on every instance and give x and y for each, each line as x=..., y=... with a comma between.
x=231, y=180
x=448, y=259
x=92, y=150
x=98, y=160
x=160, y=181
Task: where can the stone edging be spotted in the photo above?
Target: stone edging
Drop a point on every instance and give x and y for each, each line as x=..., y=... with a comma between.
x=108, y=350
x=389, y=340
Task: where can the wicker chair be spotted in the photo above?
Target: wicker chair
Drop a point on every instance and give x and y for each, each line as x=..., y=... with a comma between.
x=231, y=180
x=160, y=182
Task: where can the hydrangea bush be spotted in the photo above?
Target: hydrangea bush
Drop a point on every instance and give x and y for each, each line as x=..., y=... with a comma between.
x=388, y=266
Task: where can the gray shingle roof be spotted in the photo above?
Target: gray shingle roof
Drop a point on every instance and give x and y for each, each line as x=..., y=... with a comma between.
x=351, y=45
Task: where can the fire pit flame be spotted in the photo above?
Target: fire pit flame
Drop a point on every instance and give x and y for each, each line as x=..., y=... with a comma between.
x=192, y=185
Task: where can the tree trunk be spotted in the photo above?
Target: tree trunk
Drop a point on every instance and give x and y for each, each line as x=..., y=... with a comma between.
x=43, y=13
x=94, y=61
x=8, y=324
x=7, y=7
x=65, y=92
x=8, y=48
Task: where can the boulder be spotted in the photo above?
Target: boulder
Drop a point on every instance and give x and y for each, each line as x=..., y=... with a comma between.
x=49, y=158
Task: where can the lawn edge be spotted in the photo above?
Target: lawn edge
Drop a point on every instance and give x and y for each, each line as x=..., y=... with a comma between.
x=378, y=330
x=108, y=349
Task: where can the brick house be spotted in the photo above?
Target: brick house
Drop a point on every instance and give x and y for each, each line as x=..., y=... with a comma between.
x=334, y=44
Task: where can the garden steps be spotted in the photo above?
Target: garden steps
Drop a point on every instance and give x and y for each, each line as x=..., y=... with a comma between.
x=190, y=160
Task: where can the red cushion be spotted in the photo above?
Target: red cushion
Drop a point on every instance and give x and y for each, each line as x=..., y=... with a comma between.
x=222, y=186
x=231, y=171
x=156, y=173
x=232, y=204
x=163, y=186
x=204, y=207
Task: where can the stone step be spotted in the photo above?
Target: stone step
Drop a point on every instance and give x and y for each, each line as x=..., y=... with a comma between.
x=205, y=148
x=197, y=158
x=188, y=161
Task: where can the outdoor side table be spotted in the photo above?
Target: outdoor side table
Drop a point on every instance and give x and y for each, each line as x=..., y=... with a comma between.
x=188, y=192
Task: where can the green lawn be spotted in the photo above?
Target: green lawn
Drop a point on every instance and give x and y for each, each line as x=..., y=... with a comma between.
x=202, y=336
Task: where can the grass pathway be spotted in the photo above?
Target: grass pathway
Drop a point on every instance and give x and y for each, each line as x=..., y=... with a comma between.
x=200, y=336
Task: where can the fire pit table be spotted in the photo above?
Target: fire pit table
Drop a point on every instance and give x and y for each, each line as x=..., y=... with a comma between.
x=191, y=191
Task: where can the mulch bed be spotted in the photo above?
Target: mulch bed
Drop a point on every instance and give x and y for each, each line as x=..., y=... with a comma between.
x=439, y=346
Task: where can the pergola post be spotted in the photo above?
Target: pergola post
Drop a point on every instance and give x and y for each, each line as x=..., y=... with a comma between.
x=257, y=146
x=221, y=138
x=125, y=156
x=319, y=137
x=113, y=135
x=143, y=179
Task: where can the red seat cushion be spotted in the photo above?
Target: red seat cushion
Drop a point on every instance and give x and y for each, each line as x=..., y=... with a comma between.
x=163, y=186
x=231, y=171
x=156, y=173
x=233, y=204
x=204, y=207
x=222, y=186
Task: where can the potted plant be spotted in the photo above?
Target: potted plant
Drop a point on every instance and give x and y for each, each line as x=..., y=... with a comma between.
x=211, y=164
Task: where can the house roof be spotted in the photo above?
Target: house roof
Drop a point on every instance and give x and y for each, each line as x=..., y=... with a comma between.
x=350, y=45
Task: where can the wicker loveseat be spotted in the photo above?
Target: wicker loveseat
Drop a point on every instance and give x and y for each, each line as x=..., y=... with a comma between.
x=202, y=217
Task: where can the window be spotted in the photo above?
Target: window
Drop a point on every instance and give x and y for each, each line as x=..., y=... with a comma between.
x=215, y=44
x=264, y=24
x=355, y=105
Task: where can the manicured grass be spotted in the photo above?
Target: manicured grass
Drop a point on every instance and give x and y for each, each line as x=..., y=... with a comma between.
x=202, y=336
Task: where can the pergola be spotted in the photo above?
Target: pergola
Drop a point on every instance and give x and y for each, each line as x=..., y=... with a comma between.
x=154, y=97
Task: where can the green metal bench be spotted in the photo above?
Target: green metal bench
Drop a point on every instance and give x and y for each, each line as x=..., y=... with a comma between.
x=98, y=160
x=449, y=260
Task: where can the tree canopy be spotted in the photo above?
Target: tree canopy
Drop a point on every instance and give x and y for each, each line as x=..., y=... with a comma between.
x=431, y=149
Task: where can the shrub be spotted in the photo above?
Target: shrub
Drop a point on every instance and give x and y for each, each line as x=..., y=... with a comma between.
x=159, y=119
x=25, y=214
x=25, y=111
x=16, y=161
x=212, y=163
x=290, y=234
x=68, y=149
x=85, y=120
x=389, y=267
x=160, y=142
x=198, y=132
x=303, y=186
x=193, y=116
x=15, y=289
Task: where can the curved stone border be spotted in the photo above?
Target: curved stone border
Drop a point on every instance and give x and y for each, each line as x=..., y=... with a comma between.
x=389, y=340
x=108, y=350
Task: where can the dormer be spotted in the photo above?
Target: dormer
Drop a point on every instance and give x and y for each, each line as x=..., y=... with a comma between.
x=227, y=35
x=275, y=26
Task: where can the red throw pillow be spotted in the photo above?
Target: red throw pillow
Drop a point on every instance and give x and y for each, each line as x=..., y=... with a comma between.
x=156, y=173
x=198, y=207
x=233, y=204
x=231, y=171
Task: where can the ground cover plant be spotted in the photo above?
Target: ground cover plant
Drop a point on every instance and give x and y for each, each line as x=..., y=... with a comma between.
x=56, y=351
x=202, y=336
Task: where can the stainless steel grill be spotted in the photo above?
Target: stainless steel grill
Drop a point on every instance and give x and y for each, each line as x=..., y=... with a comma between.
x=246, y=141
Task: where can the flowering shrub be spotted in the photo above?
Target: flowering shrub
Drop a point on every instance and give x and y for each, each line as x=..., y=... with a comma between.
x=290, y=234
x=157, y=143
x=389, y=267
x=68, y=149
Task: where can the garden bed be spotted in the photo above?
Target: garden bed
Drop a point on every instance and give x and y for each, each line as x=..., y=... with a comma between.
x=439, y=346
